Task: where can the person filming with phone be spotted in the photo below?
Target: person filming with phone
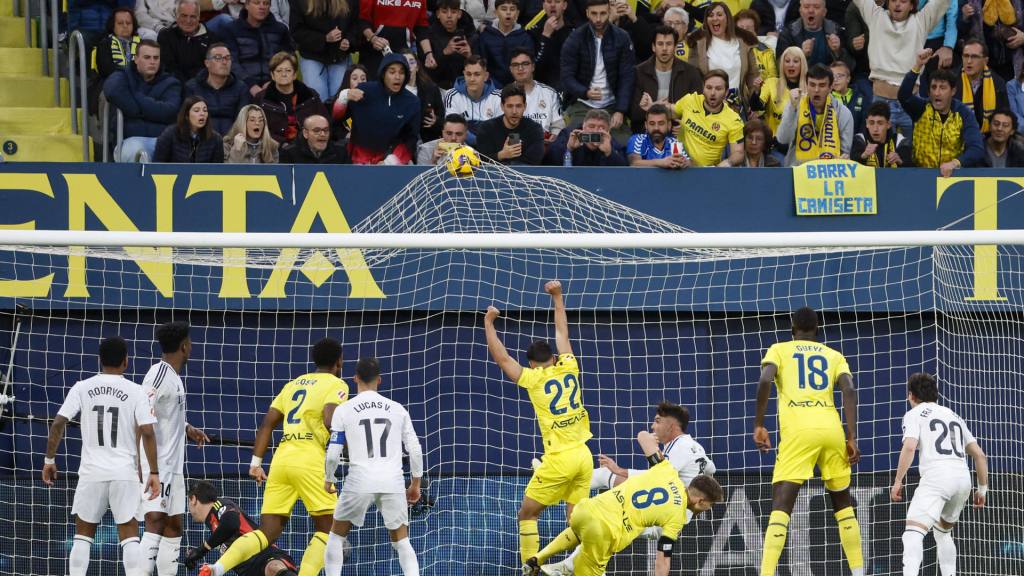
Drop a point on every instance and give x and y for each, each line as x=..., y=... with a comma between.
x=511, y=138
x=591, y=144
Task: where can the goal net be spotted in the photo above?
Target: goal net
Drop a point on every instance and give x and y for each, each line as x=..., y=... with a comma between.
x=649, y=324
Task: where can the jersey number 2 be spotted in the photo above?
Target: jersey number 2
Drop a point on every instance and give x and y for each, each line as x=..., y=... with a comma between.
x=813, y=371
x=100, y=412
x=557, y=388
x=298, y=398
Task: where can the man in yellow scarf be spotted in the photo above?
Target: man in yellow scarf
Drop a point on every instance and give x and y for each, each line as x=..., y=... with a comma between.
x=815, y=125
x=980, y=89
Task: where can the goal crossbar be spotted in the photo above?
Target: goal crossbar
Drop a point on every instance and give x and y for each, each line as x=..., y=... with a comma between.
x=496, y=241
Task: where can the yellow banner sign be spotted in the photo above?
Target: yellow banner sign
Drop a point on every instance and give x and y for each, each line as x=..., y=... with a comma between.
x=834, y=187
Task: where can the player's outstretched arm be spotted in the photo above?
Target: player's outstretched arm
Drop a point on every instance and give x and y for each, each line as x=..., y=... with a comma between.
x=554, y=288
x=270, y=421
x=764, y=389
x=662, y=563
x=56, y=435
x=649, y=445
x=333, y=459
x=850, y=409
x=981, y=467
x=148, y=435
x=501, y=357
x=411, y=442
x=906, y=459
x=228, y=525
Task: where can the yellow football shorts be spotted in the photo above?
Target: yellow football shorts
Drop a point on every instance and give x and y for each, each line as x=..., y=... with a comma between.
x=597, y=540
x=562, y=476
x=800, y=452
x=286, y=484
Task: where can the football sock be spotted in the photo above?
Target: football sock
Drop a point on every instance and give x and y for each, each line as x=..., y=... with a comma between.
x=945, y=550
x=774, y=541
x=529, y=539
x=242, y=549
x=913, y=551
x=564, y=541
x=167, y=556
x=406, y=557
x=602, y=479
x=78, y=560
x=334, y=555
x=131, y=556
x=150, y=544
x=313, y=557
x=849, y=537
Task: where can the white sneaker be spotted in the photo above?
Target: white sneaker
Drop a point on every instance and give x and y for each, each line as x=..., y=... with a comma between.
x=556, y=569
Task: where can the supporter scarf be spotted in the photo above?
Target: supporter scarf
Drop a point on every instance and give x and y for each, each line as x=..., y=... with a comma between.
x=988, y=96
x=812, y=142
x=888, y=148
x=117, y=53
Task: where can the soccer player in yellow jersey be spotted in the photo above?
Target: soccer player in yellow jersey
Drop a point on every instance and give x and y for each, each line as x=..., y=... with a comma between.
x=608, y=523
x=707, y=124
x=305, y=407
x=553, y=383
x=811, y=434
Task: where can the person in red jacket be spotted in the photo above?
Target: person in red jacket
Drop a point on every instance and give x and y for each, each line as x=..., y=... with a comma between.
x=388, y=26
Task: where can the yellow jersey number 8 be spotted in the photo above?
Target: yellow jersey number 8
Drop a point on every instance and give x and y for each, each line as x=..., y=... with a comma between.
x=557, y=388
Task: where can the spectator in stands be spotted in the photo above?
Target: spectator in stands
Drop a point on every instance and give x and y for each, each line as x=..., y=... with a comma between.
x=815, y=125
x=148, y=98
x=393, y=25
x=287, y=101
x=625, y=15
x=183, y=45
x=341, y=125
x=190, y=140
x=879, y=145
x=543, y=104
x=774, y=94
x=707, y=125
x=511, y=138
x=946, y=134
x=253, y=38
x=656, y=146
x=224, y=94
x=662, y=78
x=1015, y=95
x=154, y=16
x=1001, y=24
x=248, y=141
x=1002, y=149
x=818, y=37
x=118, y=48
x=471, y=95
x=589, y=144
x=979, y=88
x=315, y=145
x=749, y=20
x=775, y=15
x=496, y=41
x=549, y=35
x=481, y=11
x=324, y=32
x=453, y=135
x=897, y=33
x=756, y=139
x=598, y=69
x=720, y=46
x=856, y=101
x=230, y=10
x=431, y=100
x=857, y=35
x=677, y=19
x=451, y=35
x=942, y=39
x=385, y=116
x=92, y=18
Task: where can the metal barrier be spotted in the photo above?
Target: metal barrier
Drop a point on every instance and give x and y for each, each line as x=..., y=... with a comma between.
x=104, y=109
x=77, y=72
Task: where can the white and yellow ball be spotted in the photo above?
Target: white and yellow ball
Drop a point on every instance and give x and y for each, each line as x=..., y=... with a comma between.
x=463, y=161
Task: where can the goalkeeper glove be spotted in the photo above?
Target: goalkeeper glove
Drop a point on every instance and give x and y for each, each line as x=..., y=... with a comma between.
x=194, y=556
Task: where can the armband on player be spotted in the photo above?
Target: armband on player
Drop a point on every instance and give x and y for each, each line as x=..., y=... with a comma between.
x=655, y=459
x=666, y=545
x=337, y=438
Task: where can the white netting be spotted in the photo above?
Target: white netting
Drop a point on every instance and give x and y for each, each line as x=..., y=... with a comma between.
x=688, y=326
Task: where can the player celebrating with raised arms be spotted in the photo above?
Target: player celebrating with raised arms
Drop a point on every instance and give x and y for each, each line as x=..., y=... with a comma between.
x=161, y=541
x=945, y=443
x=553, y=383
x=608, y=523
x=227, y=523
x=304, y=407
x=805, y=372
x=685, y=454
x=365, y=424
x=113, y=409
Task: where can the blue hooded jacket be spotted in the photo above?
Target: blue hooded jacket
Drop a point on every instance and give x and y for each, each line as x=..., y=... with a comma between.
x=382, y=119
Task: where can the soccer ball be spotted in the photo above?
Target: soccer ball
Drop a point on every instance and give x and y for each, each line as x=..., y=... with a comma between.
x=463, y=162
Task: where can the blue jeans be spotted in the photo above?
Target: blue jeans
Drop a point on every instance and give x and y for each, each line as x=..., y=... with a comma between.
x=325, y=79
x=899, y=118
x=132, y=147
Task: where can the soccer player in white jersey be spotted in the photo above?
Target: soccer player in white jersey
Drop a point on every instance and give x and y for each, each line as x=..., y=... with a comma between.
x=375, y=429
x=945, y=442
x=162, y=385
x=687, y=456
x=113, y=409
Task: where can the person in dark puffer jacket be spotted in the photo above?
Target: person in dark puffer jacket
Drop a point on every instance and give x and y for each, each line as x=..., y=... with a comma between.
x=326, y=32
x=497, y=41
x=224, y=94
x=191, y=140
x=286, y=101
x=183, y=45
x=451, y=36
x=253, y=38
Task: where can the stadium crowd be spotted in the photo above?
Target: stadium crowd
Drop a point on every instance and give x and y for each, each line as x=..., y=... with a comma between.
x=666, y=83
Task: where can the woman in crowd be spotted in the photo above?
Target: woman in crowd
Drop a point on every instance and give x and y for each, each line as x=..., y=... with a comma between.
x=340, y=128
x=325, y=32
x=720, y=45
x=431, y=101
x=249, y=141
x=756, y=138
x=286, y=101
x=117, y=49
x=190, y=140
x=775, y=91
